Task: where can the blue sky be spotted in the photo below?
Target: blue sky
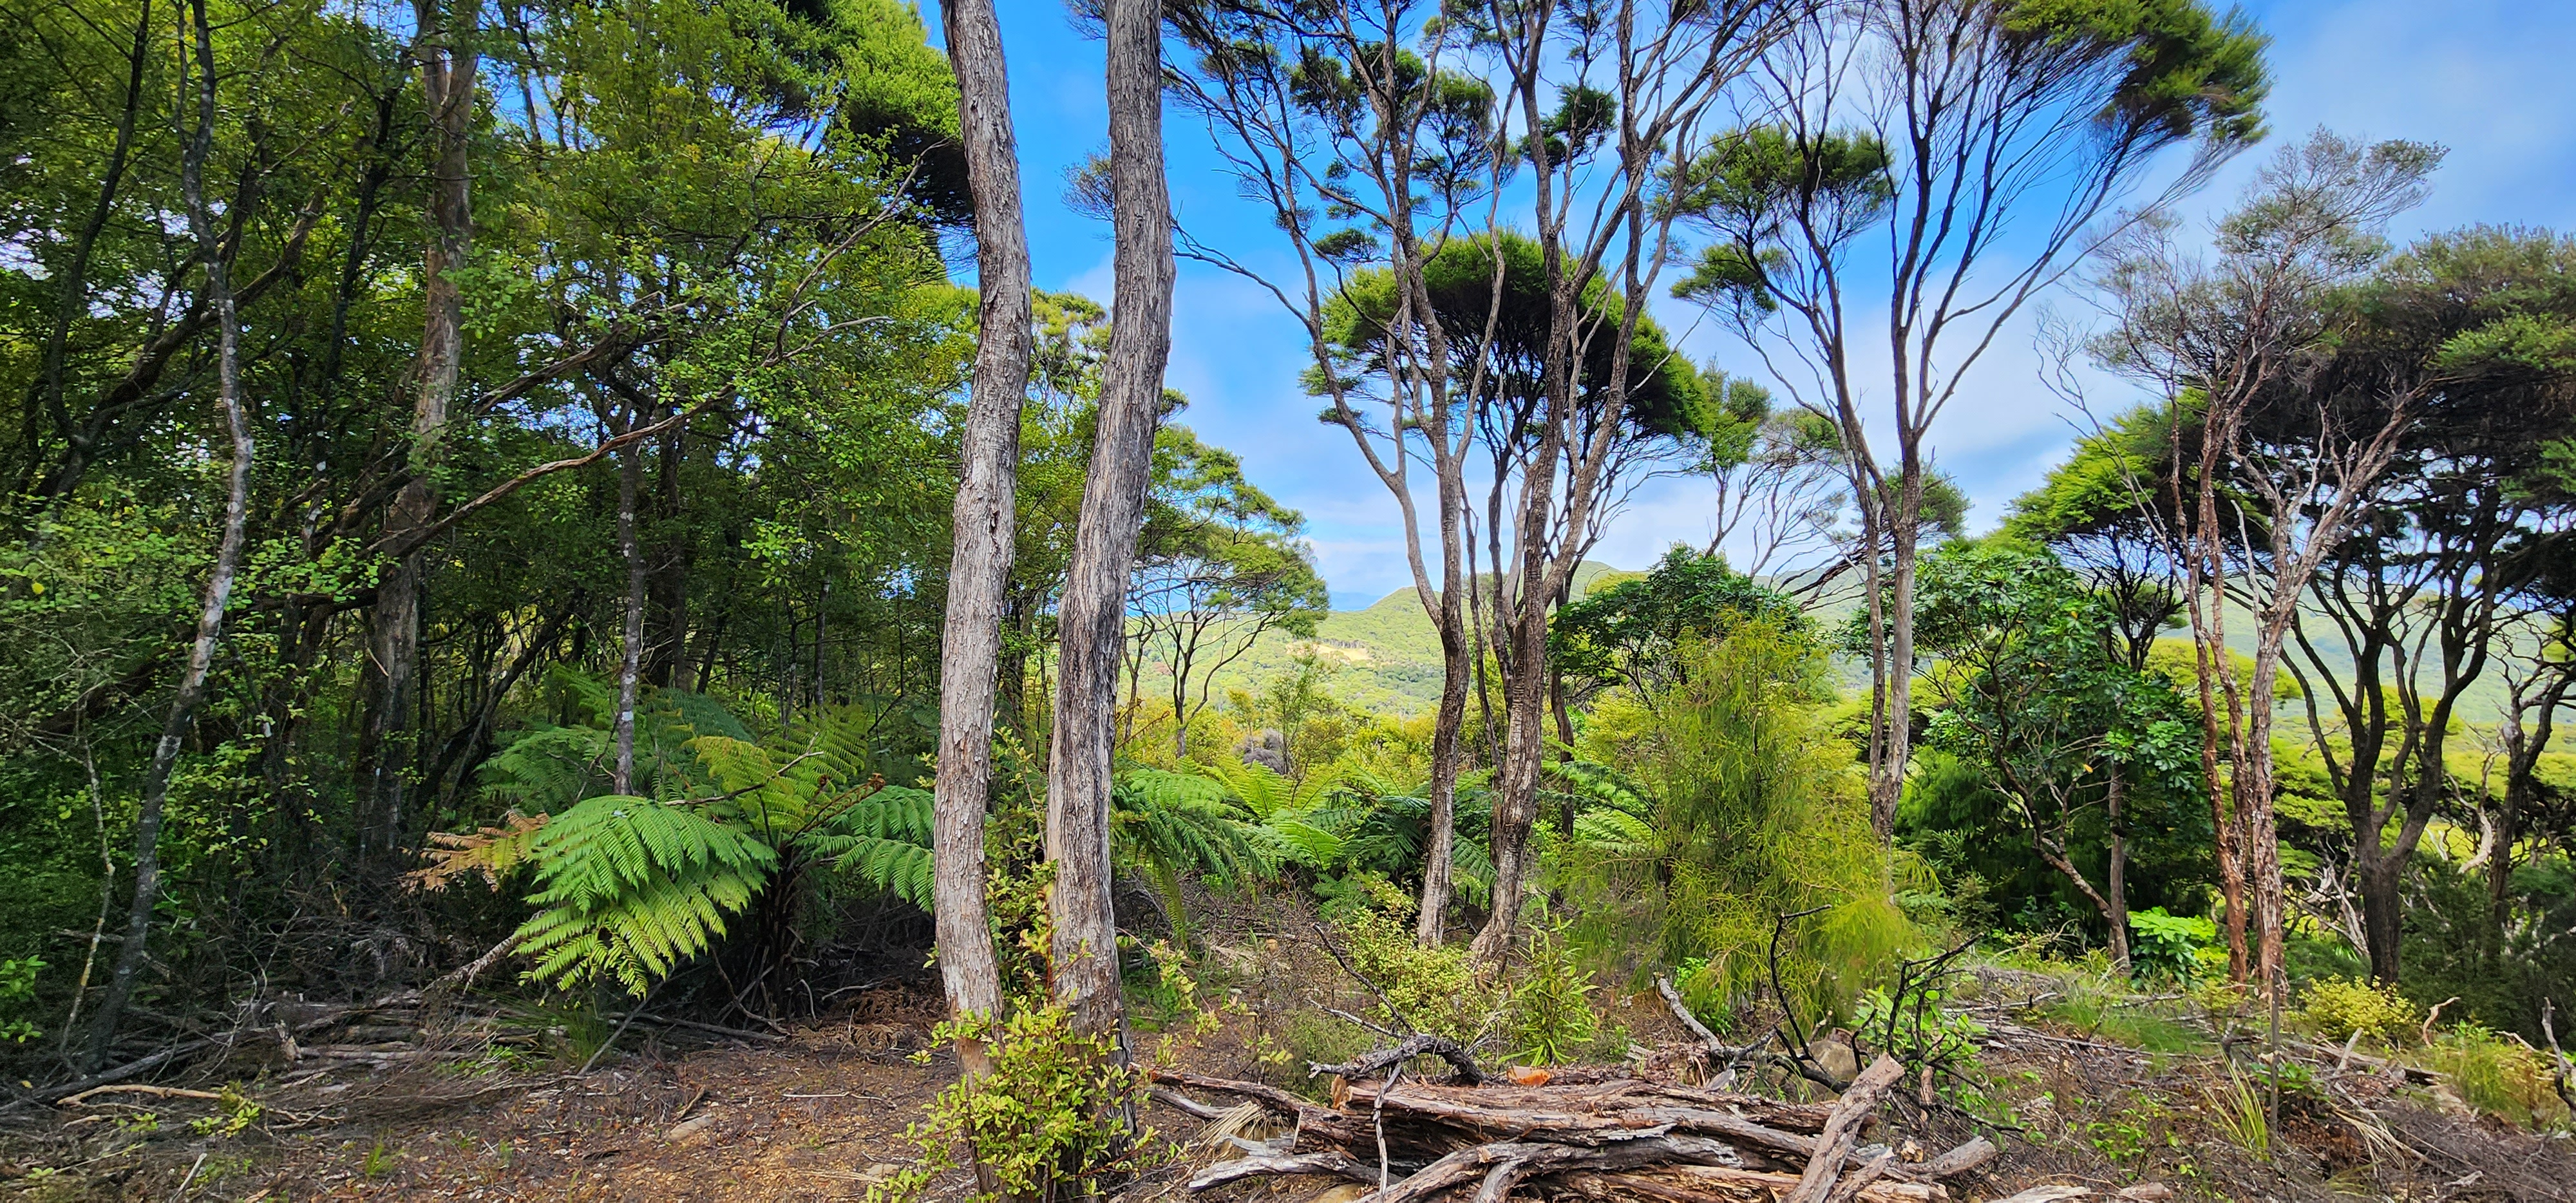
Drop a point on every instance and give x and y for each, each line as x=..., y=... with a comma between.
x=2490, y=79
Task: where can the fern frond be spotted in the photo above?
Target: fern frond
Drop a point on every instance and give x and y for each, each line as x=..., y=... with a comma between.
x=884, y=838
x=491, y=851
x=629, y=888
x=1183, y=821
x=547, y=770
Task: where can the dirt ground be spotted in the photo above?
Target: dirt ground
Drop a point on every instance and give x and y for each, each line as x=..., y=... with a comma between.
x=821, y=1112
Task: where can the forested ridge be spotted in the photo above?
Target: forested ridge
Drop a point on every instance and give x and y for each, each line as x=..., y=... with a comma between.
x=554, y=552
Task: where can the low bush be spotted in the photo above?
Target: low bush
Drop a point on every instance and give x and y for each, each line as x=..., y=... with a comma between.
x=1432, y=990
x=2336, y=1007
x=1550, y=1014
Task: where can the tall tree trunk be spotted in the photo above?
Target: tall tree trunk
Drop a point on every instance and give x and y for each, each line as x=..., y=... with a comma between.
x=228, y=555
x=1439, y=850
x=630, y=662
x=1516, y=785
x=667, y=649
x=984, y=521
x=2116, y=885
x=2258, y=832
x=1440, y=844
x=2214, y=674
x=1092, y=616
x=447, y=70
x=2523, y=748
x=1904, y=536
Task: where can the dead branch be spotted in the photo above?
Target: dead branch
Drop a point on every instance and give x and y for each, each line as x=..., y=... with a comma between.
x=1338, y=1165
x=1462, y=1064
x=1858, y=1104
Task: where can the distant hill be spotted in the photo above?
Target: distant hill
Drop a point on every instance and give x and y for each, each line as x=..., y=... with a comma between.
x=1386, y=658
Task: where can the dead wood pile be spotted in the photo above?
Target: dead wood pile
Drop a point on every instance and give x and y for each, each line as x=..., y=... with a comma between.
x=1582, y=1136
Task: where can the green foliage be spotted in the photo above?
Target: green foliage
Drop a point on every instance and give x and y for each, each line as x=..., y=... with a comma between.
x=883, y=838
x=1549, y=1016
x=1613, y=816
x=1762, y=815
x=2499, y=1075
x=1435, y=990
x=1664, y=390
x=2239, y=1110
x=2044, y=713
x=17, y=985
x=1047, y=1122
x=1175, y=823
x=2169, y=946
x=2335, y=1008
x=1631, y=633
x=2177, y=69
x=628, y=887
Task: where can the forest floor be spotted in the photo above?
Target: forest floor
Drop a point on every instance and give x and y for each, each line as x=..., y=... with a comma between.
x=676, y=1115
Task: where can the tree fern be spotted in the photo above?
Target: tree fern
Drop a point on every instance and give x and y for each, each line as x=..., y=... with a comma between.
x=1182, y=821
x=884, y=838
x=629, y=887
x=548, y=769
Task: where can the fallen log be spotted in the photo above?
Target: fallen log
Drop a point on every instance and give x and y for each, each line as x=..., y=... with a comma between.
x=1855, y=1109
x=1338, y=1165
x=160, y=1092
x=1503, y=1164
x=1462, y=1064
x=1976, y=1152
x=1322, y=1124
x=1699, y=1184
x=1631, y=1138
x=1579, y=1127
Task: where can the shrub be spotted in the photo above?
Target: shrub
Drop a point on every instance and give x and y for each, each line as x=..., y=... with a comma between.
x=17, y=985
x=2498, y=1074
x=1550, y=1014
x=2168, y=945
x=1048, y=1122
x=1762, y=813
x=2336, y=1007
x=1425, y=989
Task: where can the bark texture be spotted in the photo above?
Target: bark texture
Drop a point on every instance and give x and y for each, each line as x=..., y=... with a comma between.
x=219, y=582
x=447, y=71
x=984, y=520
x=1092, y=616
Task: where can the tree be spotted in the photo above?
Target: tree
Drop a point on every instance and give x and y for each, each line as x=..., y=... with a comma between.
x=1967, y=149
x=1218, y=566
x=669, y=227
x=2218, y=342
x=2038, y=692
x=1601, y=162
x=445, y=46
x=1369, y=152
x=1092, y=618
x=1635, y=633
x=983, y=523
x=2416, y=594
x=228, y=552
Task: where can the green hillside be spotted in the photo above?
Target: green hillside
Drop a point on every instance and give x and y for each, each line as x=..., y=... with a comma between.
x=1385, y=659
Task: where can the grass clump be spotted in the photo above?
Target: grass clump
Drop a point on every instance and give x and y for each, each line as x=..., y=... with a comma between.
x=2498, y=1075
